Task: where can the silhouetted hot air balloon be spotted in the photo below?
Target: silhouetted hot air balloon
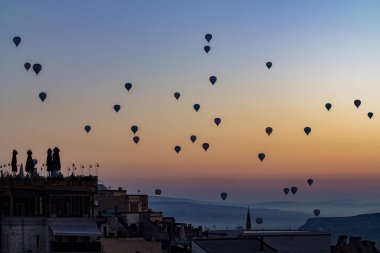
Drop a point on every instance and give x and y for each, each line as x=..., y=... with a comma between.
x=207, y=49
x=269, y=64
x=310, y=181
x=357, y=103
x=136, y=139
x=177, y=95
x=16, y=40
x=196, y=107
x=259, y=221
x=116, y=108
x=193, y=138
x=269, y=130
x=37, y=68
x=261, y=156
x=307, y=130
x=294, y=190
x=42, y=96
x=158, y=192
x=217, y=121
x=27, y=66
x=328, y=106
x=205, y=146
x=87, y=128
x=286, y=191
x=317, y=212
x=177, y=149
x=128, y=86
x=213, y=79
x=134, y=129
x=223, y=195
x=370, y=115
x=208, y=37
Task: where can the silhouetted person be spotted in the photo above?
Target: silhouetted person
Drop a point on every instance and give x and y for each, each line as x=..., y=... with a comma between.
x=49, y=161
x=56, y=161
x=29, y=166
x=14, y=161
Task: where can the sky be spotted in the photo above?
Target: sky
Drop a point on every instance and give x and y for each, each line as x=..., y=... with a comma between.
x=322, y=51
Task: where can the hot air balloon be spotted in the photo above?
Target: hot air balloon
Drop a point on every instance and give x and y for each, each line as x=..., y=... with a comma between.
x=27, y=66
x=87, y=128
x=207, y=49
x=37, y=68
x=213, y=79
x=128, y=86
x=269, y=130
x=134, y=129
x=217, y=121
x=310, y=181
x=357, y=103
x=261, y=156
x=193, y=138
x=286, y=191
x=223, y=195
x=370, y=115
x=196, y=107
x=177, y=95
x=317, y=212
x=208, y=37
x=177, y=149
x=269, y=64
x=328, y=106
x=42, y=96
x=205, y=146
x=16, y=40
x=157, y=192
x=116, y=108
x=259, y=221
x=136, y=139
x=307, y=130
x=294, y=190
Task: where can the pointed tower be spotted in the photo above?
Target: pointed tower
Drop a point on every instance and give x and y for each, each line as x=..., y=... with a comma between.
x=248, y=221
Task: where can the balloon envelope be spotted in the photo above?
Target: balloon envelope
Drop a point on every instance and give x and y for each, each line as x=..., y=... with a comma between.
x=328, y=106
x=27, y=66
x=158, y=192
x=213, y=79
x=134, y=129
x=286, y=191
x=87, y=128
x=268, y=130
x=177, y=95
x=269, y=64
x=128, y=86
x=42, y=96
x=294, y=190
x=208, y=37
x=357, y=103
x=317, y=212
x=217, y=121
x=177, y=149
x=136, y=139
x=205, y=146
x=37, y=68
x=310, y=181
x=207, y=49
x=223, y=195
x=307, y=130
x=193, y=138
x=16, y=40
x=370, y=115
x=261, y=156
x=116, y=108
x=196, y=107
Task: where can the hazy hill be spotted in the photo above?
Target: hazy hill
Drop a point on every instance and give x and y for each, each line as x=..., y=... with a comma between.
x=366, y=226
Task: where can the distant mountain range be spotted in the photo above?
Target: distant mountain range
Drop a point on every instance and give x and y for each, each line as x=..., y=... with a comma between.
x=366, y=226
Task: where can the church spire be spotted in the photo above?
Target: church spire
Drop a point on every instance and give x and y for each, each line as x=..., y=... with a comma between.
x=248, y=221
